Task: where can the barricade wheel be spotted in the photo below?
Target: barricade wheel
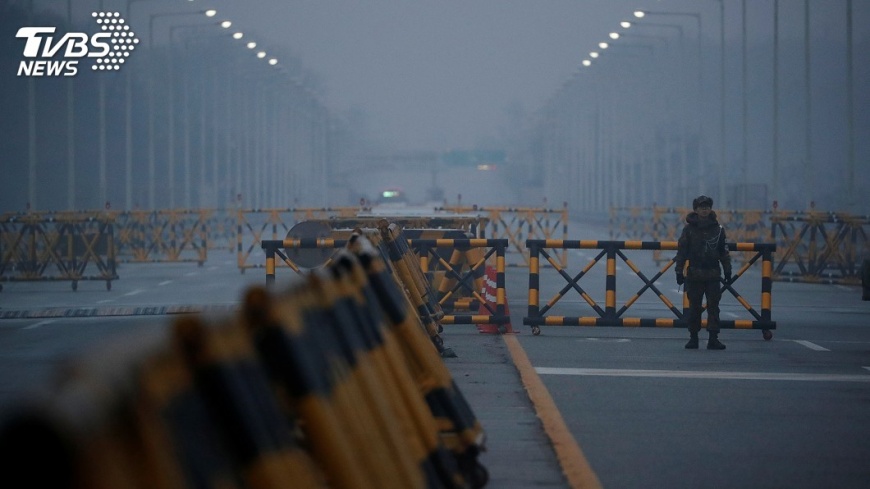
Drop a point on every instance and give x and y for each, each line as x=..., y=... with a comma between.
x=767, y=334
x=536, y=330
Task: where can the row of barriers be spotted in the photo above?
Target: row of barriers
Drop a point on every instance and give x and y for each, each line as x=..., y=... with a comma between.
x=65, y=248
x=188, y=235
x=410, y=260
x=606, y=314
x=812, y=246
x=329, y=382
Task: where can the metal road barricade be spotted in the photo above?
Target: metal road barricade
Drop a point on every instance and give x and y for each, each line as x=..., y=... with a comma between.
x=820, y=247
x=255, y=225
x=394, y=249
x=813, y=246
x=378, y=402
x=518, y=224
x=163, y=236
x=470, y=280
x=69, y=247
x=609, y=315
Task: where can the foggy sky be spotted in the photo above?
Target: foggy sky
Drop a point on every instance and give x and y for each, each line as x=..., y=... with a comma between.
x=434, y=74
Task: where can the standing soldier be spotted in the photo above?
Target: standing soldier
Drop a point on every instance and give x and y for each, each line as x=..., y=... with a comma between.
x=702, y=243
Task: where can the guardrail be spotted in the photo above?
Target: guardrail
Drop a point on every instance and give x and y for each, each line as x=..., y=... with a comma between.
x=609, y=315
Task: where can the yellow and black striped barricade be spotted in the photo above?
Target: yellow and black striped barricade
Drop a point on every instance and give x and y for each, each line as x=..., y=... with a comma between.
x=609, y=315
x=436, y=262
x=175, y=235
x=236, y=389
x=820, y=247
x=71, y=248
x=311, y=341
x=430, y=315
x=128, y=416
x=518, y=224
x=467, y=280
x=255, y=225
x=459, y=429
x=356, y=299
x=410, y=271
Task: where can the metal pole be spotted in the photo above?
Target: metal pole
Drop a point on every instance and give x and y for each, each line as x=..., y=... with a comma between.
x=850, y=111
x=70, y=129
x=808, y=167
x=744, y=174
x=775, y=177
x=721, y=172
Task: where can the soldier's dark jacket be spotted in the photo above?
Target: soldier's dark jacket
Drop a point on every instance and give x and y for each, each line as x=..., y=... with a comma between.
x=703, y=244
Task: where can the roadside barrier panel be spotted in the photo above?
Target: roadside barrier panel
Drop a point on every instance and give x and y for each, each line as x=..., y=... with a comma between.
x=361, y=383
x=394, y=248
x=609, y=315
x=255, y=225
x=459, y=429
x=34, y=247
x=471, y=280
x=518, y=224
x=820, y=247
x=812, y=246
x=165, y=236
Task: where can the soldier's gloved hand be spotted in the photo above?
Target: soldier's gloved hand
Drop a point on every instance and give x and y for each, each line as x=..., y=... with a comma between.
x=729, y=279
x=680, y=279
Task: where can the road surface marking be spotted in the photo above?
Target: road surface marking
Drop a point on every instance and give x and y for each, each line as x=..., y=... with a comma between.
x=105, y=301
x=191, y=274
x=684, y=374
x=134, y=292
x=41, y=323
x=165, y=282
x=731, y=314
x=868, y=368
x=574, y=464
x=212, y=268
x=811, y=345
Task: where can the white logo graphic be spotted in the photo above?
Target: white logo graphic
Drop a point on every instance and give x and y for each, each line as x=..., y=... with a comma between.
x=110, y=48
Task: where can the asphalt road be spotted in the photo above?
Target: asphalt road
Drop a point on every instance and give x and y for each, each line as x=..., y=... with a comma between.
x=791, y=412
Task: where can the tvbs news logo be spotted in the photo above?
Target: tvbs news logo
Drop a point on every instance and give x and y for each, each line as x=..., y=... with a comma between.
x=46, y=55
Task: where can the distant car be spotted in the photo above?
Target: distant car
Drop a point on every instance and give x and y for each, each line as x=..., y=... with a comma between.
x=392, y=196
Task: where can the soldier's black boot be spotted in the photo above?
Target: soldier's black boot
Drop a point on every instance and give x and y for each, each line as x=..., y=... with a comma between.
x=713, y=343
x=693, y=342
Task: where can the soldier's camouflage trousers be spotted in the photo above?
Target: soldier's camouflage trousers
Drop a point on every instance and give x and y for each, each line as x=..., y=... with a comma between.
x=696, y=290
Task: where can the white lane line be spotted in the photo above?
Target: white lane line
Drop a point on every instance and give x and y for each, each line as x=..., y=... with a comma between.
x=191, y=274
x=868, y=368
x=165, y=282
x=681, y=374
x=731, y=314
x=134, y=292
x=811, y=345
x=105, y=301
x=212, y=268
x=41, y=323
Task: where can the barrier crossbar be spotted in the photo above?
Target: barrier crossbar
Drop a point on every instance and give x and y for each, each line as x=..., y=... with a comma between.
x=609, y=315
x=465, y=280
